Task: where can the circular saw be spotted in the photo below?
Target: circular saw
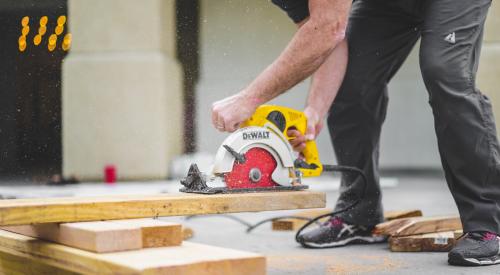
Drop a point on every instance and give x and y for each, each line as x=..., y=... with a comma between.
x=258, y=157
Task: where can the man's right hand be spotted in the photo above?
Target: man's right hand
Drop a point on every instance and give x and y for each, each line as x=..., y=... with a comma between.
x=230, y=112
x=314, y=127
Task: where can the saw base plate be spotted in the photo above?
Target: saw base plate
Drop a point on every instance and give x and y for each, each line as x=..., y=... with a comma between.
x=225, y=190
x=195, y=182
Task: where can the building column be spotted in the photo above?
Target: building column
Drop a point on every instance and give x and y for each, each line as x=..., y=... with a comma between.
x=488, y=77
x=122, y=89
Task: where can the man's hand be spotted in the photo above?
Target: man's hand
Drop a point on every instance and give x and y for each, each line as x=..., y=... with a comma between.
x=314, y=126
x=230, y=112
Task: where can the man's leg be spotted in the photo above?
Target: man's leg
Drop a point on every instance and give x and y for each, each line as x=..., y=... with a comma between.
x=380, y=35
x=465, y=127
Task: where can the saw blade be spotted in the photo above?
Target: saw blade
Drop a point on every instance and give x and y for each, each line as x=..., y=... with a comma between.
x=255, y=172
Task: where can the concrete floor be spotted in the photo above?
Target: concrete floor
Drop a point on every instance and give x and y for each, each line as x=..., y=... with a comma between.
x=284, y=256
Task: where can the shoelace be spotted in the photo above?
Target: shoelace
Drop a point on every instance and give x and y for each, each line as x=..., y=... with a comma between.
x=336, y=222
x=488, y=236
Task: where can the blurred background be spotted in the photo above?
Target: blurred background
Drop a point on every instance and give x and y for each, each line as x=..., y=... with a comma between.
x=95, y=91
x=128, y=86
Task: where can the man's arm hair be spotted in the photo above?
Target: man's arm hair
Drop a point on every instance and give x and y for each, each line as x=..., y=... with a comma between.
x=311, y=45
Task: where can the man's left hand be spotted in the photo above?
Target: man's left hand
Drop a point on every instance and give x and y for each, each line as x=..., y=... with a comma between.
x=230, y=112
x=314, y=126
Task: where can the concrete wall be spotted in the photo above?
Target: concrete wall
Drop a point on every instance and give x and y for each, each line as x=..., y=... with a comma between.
x=240, y=37
x=122, y=89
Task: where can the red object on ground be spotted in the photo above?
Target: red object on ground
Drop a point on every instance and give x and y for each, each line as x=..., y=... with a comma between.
x=256, y=158
x=110, y=174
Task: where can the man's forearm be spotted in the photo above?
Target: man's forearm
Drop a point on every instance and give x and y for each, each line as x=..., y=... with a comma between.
x=327, y=80
x=310, y=47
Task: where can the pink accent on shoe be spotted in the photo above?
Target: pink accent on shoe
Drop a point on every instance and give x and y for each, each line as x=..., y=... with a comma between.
x=336, y=221
x=489, y=236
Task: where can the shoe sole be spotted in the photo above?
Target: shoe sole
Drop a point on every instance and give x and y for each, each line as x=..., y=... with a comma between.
x=457, y=260
x=353, y=240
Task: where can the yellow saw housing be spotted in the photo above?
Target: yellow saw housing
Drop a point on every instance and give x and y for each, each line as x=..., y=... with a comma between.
x=284, y=119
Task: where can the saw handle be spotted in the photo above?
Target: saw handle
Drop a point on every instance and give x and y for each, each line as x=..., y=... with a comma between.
x=285, y=118
x=311, y=157
x=310, y=165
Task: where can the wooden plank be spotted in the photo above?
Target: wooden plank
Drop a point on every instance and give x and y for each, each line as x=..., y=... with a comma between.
x=106, y=236
x=418, y=225
x=156, y=233
x=295, y=224
x=97, y=237
x=62, y=210
x=187, y=259
x=431, y=242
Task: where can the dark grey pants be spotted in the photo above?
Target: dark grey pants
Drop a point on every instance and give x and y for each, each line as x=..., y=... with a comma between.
x=381, y=34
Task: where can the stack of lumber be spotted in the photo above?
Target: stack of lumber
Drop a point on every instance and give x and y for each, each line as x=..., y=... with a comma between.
x=23, y=254
x=106, y=236
x=119, y=235
x=421, y=234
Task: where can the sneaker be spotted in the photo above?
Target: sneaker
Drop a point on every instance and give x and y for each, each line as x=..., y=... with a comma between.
x=336, y=232
x=476, y=248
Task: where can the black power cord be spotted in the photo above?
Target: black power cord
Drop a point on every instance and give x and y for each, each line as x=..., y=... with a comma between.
x=250, y=227
x=310, y=221
x=234, y=218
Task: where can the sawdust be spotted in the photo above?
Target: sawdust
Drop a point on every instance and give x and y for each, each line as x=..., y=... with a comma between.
x=378, y=263
x=292, y=263
x=332, y=264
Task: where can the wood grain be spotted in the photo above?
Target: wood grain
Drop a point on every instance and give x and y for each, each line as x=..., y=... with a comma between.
x=63, y=210
x=431, y=242
x=187, y=259
x=13, y=264
x=295, y=224
x=156, y=233
x=418, y=225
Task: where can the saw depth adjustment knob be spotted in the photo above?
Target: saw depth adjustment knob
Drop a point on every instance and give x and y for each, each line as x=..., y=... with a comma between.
x=255, y=175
